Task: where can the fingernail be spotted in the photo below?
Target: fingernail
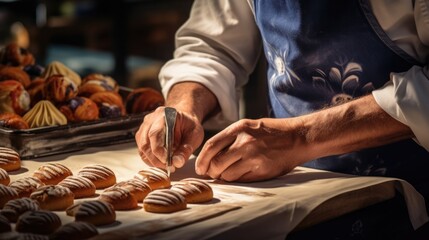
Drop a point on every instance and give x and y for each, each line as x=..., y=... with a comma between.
x=179, y=160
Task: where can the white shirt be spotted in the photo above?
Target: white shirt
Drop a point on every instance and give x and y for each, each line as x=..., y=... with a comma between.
x=220, y=44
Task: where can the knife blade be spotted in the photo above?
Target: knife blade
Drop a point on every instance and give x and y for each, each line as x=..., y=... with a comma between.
x=170, y=121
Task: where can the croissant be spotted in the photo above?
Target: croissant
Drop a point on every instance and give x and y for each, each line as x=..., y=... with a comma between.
x=35, y=90
x=80, y=109
x=13, y=97
x=109, y=103
x=14, y=73
x=12, y=120
x=143, y=99
x=14, y=55
x=59, y=89
x=95, y=82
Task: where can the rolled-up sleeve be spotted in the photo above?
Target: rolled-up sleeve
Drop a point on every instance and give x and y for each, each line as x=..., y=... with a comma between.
x=217, y=47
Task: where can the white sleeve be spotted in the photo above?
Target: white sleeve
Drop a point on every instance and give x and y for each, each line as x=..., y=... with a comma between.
x=218, y=47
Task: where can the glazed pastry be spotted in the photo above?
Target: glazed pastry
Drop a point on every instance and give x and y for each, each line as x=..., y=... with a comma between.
x=4, y=177
x=194, y=190
x=9, y=159
x=15, y=208
x=52, y=173
x=80, y=186
x=44, y=113
x=137, y=187
x=57, y=68
x=53, y=197
x=13, y=121
x=59, y=89
x=35, y=90
x=25, y=186
x=13, y=97
x=101, y=176
x=80, y=109
x=109, y=103
x=120, y=198
x=96, y=212
x=7, y=194
x=34, y=70
x=156, y=178
x=4, y=224
x=14, y=73
x=164, y=201
x=94, y=83
x=38, y=222
x=143, y=100
x=14, y=55
x=74, y=230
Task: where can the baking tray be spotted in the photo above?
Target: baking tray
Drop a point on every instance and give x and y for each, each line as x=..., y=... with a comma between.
x=45, y=141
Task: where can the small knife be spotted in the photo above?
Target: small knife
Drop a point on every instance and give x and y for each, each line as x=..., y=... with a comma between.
x=170, y=122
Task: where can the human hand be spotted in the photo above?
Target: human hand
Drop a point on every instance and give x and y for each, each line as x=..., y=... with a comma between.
x=150, y=138
x=252, y=150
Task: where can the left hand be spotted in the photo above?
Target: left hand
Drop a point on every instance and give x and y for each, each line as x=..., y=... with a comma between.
x=252, y=150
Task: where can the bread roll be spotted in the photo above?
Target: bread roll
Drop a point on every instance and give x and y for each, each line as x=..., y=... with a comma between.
x=7, y=194
x=157, y=178
x=52, y=173
x=137, y=187
x=101, y=176
x=4, y=177
x=194, y=190
x=53, y=197
x=80, y=186
x=9, y=159
x=14, y=55
x=74, y=230
x=13, y=97
x=164, y=201
x=38, y=222
x=25, y=186
x=96, y=212
x=120, y=198
x=13, y=121
x=4, y=225
x=15, y=208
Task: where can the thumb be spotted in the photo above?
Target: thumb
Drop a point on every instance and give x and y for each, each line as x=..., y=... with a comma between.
x=189, y=143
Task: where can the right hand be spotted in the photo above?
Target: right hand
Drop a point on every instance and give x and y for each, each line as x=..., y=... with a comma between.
x=188, y=136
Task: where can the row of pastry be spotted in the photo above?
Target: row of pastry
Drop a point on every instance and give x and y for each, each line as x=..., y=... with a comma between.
x=34, y=96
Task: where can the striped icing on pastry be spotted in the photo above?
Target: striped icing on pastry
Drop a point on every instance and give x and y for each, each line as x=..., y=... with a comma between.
x=95, y=172
x=26, y=184
x=8, y=156
x=8, y=191
x=91, y=208
x=76, y=182
x=115, y=194
x=39, y=218
x=190, y=186
x=3, y=174
x=133, y=184
x=152, y=174
x=52, y=190
x=164, y=197
x=21, y=205
x=52, y=170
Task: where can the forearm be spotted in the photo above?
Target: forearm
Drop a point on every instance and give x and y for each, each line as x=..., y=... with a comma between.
x=349, y=127
x=193, y=98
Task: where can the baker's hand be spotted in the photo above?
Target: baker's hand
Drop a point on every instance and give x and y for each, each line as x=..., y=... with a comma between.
x=150, y=138
x=251, y=150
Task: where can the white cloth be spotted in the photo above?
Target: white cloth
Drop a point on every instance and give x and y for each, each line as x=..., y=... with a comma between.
x=220, y=43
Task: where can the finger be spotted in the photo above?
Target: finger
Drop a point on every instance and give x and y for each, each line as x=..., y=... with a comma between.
x=156, y=137
x=236, y=171
x=249, y=170
x=212, y=147
x=148, y=157
x=223, y=160
x=182, y=154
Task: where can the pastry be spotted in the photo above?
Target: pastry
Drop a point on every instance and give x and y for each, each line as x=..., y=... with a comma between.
x=94, y=83
x=57, y=68
x=59, y=89
x=52, y=173
x=109, y=103
x=4, y=177
x=156, y=177
x=44, y=113
x=74, y=230
x=80, y=109
x=9, y=159
x=137, y=187
x=34, y=70
x=38, y=222
x=96, y=212
x=7, y=194
x=13, y=97
x=120, y=198
x=53, y=197
x=101, y=176
x=143, y=100
x=13, y=121
x=164, y=201
x=4, y=225
x=194, y=190
x=15, y=208
x=14, y=73
x=25, y=186
x=14, y=55
x=80, y=186
x=35, y=90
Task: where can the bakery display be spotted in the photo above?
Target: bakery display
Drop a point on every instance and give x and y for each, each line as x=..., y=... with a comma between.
x=4, y=225
x=9, y=159
x=100, y=175
x=80, y=186
x=4, y=177
x=59, y=89
x=7, y=194
x=143, y=100
x=38, y=222
x=164, y=201
x=16, y=207
x=94, y=83
x=58, y=68
x=120, y=198
x=137, y=187
x=44, y=113
x=80, y=109
x=13, y=121
x=95, y=211
x=14, y=73
x=35, y=90
x=74, y=230
x=13, y=97
x=52, y=173
x=156, y=177
x=14, y=55
x=25, y=186
x=194, y=190
x=109, y=103
x=53, y=197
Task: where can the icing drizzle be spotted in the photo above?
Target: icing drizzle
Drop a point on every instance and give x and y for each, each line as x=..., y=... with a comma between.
x=164, y=197
x=96, y=172
x=74, y=182
x=52, y=170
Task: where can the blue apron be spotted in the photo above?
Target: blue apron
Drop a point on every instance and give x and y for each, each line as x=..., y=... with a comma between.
x=324, y=52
